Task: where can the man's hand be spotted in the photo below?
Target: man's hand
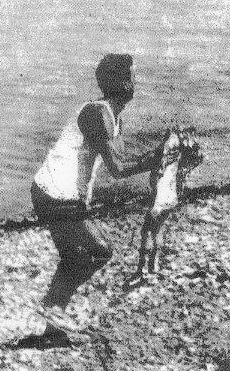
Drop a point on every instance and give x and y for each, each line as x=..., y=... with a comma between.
x=152, y=160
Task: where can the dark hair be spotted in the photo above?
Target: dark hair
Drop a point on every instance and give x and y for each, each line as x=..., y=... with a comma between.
x=114, y=76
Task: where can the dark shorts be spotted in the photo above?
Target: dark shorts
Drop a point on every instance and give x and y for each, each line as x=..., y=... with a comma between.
x=49, y=209
x=73, y=229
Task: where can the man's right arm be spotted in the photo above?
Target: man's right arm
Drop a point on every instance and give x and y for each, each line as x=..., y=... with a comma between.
x=97, y=129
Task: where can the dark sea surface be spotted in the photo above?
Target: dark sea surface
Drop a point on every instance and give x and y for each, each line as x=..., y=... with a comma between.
x=50, y=48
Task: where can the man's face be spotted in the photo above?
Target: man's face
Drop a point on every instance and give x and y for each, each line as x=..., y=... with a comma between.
x=133, y=77
x=129, y=91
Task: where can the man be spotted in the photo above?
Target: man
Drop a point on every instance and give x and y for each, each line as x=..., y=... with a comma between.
x=62, y=188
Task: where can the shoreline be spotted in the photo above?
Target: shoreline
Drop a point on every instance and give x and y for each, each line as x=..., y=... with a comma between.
x=112, y=207
x=214, y=173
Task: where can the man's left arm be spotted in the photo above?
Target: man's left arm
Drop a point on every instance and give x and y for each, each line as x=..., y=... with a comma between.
x=148, y=162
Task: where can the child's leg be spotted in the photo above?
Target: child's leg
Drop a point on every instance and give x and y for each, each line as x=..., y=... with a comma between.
x=155, y=240
x=153, y=254
x=143, y=248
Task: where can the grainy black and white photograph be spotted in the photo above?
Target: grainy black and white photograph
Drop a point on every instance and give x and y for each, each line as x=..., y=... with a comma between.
x=115, y=185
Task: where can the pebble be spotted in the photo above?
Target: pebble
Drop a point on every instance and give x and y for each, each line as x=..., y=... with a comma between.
x=191, y=239
x=210, y=367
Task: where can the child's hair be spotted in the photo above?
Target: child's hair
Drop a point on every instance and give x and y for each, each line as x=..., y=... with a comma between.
x=114, y=76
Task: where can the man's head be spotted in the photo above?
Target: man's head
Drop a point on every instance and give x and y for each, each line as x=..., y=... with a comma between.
x=115, y=77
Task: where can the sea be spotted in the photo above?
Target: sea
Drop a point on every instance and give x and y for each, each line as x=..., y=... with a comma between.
x=49, y=50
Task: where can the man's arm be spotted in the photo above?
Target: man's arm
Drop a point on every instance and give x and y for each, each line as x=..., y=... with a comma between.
x=150, y=161
x=97, y=129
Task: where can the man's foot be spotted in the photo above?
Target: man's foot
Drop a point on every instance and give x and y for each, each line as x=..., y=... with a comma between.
x=57, y=339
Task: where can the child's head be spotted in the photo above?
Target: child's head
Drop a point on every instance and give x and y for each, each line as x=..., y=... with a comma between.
x=115, y=77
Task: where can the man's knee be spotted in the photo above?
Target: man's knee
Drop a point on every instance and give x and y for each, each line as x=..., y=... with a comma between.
x=75, y=258
x=97, y=244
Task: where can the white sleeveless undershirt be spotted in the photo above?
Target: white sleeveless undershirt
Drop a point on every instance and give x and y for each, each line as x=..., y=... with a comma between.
x=70, y=168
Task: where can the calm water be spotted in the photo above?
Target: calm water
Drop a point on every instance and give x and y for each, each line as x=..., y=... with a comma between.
x=49, y=50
